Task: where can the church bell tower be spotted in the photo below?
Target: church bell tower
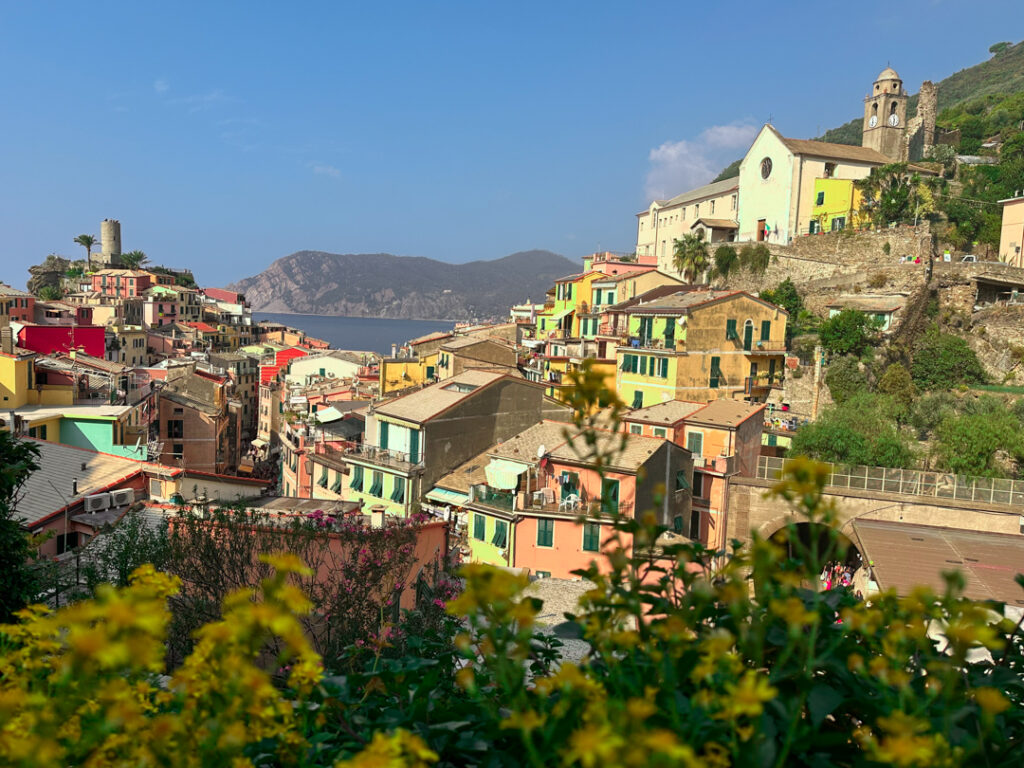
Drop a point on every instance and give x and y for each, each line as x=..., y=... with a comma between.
x=885, y=116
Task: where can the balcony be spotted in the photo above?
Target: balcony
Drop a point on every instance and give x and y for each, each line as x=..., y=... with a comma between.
x=645, y=342
x=545, y=500
x=372, y=454
x=765, y=348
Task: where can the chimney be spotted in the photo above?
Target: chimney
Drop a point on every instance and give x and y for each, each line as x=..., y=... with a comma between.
x=7, y=340
x=394, y=350
x=74, y=487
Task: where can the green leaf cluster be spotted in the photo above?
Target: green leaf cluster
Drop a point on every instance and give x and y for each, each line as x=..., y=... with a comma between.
x=850, y=332
x=862, y=430
x=943, y=361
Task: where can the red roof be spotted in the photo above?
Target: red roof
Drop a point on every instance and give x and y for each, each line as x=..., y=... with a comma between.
x=204, y=327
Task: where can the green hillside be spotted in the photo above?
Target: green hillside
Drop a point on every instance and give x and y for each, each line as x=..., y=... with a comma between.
x=1001, y=74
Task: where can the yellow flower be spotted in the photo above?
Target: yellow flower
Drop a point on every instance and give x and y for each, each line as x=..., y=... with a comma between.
x=793, y=612
x=991, y=701
x=748, y=697
x=525, y=721
x=400, y=749
x=592, y=746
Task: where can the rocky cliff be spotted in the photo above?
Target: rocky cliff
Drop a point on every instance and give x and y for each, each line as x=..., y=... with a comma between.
x=383, y=285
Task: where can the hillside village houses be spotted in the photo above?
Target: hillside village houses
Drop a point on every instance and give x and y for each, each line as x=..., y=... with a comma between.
x=164, y=391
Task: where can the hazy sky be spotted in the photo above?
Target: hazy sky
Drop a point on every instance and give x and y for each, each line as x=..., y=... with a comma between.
x=225, y=135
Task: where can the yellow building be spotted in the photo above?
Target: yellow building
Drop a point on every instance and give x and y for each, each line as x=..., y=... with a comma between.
x=701, y=346
x=835, y=206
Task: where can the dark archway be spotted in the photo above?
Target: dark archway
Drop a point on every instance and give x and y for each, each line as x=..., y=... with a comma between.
x=845, y=551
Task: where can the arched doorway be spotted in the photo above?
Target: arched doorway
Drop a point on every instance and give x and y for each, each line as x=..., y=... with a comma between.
x=837, y=552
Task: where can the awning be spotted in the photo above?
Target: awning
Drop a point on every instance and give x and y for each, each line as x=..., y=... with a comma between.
x=504, y=475
x=443, y=496
x=327, y=415
x=556, y=315
x=259, y=442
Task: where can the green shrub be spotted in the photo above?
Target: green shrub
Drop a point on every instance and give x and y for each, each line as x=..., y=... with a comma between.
x=845, y=379
x=945, y=361
x=755, y=258
x=726, y=260
x=860, y=431
x=847, y=333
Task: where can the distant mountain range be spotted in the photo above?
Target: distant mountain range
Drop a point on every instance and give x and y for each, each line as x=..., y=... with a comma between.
x=383, y=285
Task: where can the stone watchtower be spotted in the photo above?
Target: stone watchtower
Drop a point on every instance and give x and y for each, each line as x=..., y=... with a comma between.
x=885, y=116
x=110, y=243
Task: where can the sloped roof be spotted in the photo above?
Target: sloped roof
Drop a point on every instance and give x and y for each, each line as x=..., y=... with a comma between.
x=714, y=189
x=655, y=293
x=524, y=446
x=426, y=403
x=625, y=457
x=831, y=151
x=670, y=412
x=715, y=223
x=48, y=489
x=683, y=302
x=725, y=413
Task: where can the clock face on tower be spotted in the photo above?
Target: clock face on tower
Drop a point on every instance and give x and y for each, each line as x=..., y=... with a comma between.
x=894, y=120
x=873, y=121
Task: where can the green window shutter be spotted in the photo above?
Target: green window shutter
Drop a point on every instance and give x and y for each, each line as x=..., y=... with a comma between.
x=336, y=485
x=716, y=372
x=609, y=496
x=430, y=372
x=730, y=330
x=771, y=370
x=677, y=524
x=398, y=491
x=479, y=526
x=545, y=533
x=323, y=372
x=591, y=537
x=414, y=446
x=638, y=399
x=664, y=367
x=682, y=484
x=766, y=330
x=383, y=433
x=357, y=478
x=624, y=365
x=500, y=537
x=323, y=478
x=378, y=484
x=695, y=443
x=643, y=365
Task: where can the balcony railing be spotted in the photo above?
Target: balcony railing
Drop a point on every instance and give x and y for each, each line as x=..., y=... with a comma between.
x=376, y=455
x=543, y=500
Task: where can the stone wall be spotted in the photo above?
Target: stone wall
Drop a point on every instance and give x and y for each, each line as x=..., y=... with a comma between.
x=749, y=509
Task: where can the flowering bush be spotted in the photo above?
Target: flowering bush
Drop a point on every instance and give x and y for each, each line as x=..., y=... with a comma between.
x=697, y=658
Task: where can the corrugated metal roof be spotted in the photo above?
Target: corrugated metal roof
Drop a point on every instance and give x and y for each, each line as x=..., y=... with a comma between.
x=907, y=556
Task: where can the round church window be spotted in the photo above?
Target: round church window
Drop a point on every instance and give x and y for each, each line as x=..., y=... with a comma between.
x=766, y=168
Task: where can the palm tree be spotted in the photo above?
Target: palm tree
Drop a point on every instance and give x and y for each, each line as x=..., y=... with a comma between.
x=87, y=242
x=691, y=257
x=133, y=259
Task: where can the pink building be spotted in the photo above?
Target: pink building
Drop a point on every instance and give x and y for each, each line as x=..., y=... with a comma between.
x=47, y=339
x=16, y=305
x=537, y=501
x=121, y=283
x=219, y=294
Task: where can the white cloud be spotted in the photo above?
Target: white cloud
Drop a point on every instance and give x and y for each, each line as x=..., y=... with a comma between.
x=325, y=170
x=678, y=166
x=161, y=86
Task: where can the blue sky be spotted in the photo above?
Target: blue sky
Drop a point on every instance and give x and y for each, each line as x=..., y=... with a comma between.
x=226, y=135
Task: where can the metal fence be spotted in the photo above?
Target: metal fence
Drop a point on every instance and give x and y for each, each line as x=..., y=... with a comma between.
x=911, y=482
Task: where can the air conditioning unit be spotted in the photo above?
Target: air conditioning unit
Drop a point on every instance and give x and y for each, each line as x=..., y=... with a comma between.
x=122, y=498
x=97, y=502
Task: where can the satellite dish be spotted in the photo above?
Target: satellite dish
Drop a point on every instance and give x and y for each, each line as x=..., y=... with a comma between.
x=541, y=450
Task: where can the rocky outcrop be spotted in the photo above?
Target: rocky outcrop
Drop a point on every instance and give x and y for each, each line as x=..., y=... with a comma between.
x=383, y=285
